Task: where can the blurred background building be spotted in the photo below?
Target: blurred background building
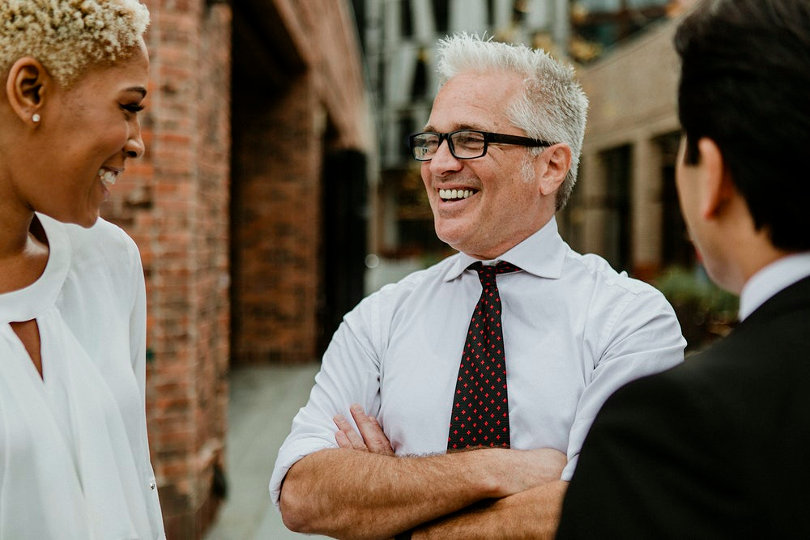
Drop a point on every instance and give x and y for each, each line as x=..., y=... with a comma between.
x=277, y=189
x=625, y=206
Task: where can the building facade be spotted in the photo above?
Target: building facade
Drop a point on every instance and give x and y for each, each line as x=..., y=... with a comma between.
x=625, y=205
x=256, y=127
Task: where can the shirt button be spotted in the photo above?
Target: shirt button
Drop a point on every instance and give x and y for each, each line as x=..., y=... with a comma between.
x=152, y=485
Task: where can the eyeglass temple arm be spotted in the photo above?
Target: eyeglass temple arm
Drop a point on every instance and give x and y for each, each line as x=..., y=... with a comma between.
x=514, y=139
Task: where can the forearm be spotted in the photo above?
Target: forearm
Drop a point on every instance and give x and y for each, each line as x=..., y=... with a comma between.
x=350, y=494
x=532, y=514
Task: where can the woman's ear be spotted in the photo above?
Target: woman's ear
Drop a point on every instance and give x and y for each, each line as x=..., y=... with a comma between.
x=553, y=164
x=26, y=87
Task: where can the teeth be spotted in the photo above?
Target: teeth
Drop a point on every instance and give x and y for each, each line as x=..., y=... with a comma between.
x=108, y=178
x=452, y=194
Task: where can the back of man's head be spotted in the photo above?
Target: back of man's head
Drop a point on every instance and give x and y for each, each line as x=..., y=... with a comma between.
x=552, y=107
x=745, y=84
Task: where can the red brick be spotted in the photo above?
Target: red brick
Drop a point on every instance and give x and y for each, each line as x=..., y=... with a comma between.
x=176, y=203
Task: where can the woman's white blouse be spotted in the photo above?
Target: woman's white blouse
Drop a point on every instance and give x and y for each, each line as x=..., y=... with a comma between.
x=74, y=457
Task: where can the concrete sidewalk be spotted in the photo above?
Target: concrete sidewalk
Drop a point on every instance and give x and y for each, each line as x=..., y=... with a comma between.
x=263, y=401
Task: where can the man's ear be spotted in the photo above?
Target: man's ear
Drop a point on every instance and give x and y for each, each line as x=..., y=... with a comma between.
x=26, y=86
x=554, y=164
x=717, y=188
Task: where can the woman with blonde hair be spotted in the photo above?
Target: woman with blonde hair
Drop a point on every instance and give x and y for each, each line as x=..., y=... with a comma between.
x=74, y=457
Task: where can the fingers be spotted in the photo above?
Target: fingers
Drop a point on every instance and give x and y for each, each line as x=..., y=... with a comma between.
x=342, y=440
x=346, y=436
x=372, y=433
x=370, y=438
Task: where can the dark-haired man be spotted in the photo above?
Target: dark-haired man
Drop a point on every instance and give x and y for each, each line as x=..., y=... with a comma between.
x=717, y=447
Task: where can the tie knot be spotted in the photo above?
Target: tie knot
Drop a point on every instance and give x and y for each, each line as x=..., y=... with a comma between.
x=487, y=272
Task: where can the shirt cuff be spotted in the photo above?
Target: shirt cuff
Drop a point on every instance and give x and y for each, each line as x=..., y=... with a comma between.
x=568, y=471
x=289, y=455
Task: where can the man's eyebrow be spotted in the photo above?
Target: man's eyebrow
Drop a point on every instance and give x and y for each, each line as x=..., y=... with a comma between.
x=457, y=127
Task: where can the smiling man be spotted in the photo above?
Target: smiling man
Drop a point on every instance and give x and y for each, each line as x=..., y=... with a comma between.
x=508, y=347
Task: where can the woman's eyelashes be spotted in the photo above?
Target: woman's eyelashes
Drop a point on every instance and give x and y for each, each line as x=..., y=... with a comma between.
x=132, y=107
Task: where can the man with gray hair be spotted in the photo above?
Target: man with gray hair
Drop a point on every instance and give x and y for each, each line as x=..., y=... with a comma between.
x=508, y=347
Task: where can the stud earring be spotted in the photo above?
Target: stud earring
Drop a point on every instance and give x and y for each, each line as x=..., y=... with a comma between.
x=36, y=118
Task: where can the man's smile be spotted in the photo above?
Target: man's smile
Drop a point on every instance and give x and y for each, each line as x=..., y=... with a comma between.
x=456, y=194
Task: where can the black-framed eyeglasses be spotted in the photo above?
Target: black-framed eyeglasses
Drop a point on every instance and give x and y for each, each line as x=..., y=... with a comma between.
x=463, y=143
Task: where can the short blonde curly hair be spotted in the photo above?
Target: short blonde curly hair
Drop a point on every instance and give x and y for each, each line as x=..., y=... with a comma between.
x=68, y=36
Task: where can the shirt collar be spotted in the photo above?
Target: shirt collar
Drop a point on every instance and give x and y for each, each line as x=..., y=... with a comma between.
x=30, y=302
x=770, y=280
x=541, y=254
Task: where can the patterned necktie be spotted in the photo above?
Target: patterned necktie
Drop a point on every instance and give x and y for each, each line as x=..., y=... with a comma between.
x=480, y=415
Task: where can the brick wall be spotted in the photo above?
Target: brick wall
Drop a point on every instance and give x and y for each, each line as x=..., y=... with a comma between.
x=174, y=203
x=277, y=227
x=213, y=234
x=303, y=98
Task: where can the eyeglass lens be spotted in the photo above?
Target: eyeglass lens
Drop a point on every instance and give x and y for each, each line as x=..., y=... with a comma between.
x=463, y=144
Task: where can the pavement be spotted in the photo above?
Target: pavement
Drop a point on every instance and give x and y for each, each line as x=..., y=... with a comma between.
x=263, y=401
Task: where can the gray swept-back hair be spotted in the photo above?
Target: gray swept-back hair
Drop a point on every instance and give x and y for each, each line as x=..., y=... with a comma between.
x=552, y=107
x=68, y=36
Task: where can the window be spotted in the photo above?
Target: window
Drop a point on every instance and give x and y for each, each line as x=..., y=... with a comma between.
x=617, y=207
x=677, y=249
x=419, y=85
x=405, y=18
x=441, y=15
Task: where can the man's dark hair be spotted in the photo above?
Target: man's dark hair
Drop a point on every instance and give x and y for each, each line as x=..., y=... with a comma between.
x=745, y=84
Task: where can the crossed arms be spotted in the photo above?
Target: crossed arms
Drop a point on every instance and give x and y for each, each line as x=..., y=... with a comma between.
x=361, y=490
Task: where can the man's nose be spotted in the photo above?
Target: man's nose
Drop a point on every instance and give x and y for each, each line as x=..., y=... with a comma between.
x=444, y=160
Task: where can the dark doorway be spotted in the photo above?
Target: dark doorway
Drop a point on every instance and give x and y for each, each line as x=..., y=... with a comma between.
x=617, y=207
x=344, y=196
x=677, y=249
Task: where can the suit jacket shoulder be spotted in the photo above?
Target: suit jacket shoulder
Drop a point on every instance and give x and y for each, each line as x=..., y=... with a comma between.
x=713, y=448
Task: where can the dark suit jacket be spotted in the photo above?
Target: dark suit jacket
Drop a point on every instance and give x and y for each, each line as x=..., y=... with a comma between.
x=717, y=447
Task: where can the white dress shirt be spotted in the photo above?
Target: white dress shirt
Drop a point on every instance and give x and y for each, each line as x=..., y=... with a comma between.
x=778, y=275
x=574, y=331
x=75, y=457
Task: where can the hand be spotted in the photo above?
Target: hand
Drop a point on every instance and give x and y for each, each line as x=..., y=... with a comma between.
x=371, y=437
x=526, y=469
x=520, y=470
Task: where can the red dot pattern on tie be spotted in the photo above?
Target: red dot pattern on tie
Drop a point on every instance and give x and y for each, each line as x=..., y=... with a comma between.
x=480, y=415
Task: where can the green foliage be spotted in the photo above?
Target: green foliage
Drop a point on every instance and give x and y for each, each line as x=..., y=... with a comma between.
x=705, y=311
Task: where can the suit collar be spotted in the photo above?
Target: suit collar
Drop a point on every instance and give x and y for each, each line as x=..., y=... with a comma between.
x=771, y=279
x=795, y=296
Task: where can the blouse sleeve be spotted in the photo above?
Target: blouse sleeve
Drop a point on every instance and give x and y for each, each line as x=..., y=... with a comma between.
x=137, y=318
